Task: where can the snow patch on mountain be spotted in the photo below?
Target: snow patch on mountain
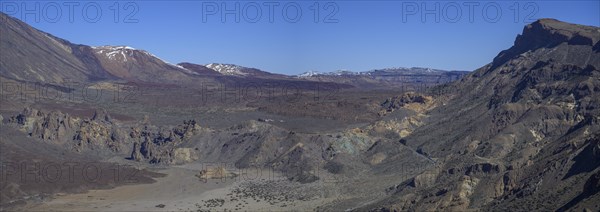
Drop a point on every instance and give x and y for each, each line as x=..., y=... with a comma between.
x=117, y=53
x=309, y=74
x=227, y=69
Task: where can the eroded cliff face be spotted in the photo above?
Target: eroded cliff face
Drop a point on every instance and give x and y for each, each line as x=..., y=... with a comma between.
x=551, y=33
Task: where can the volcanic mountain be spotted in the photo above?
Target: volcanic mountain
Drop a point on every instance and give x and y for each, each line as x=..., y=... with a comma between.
x=35, y=56
x=31, y=55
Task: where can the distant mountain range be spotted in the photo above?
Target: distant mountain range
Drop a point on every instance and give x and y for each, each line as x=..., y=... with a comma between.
x=376, y=72
x=34, y=56
x=389, y=77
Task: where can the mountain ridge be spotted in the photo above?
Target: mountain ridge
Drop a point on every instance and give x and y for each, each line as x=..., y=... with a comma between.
x=420, y=70
x=82, y=63
x=547, y=33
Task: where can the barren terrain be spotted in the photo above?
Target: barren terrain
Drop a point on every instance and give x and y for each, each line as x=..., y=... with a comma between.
x=517, y=134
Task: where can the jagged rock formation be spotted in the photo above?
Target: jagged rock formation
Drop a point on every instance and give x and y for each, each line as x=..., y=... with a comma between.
x=417, y=102
x=101, y=132
x=77, y=133
x=160, y=145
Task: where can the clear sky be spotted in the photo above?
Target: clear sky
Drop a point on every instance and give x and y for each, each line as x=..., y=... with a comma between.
x=292, y=37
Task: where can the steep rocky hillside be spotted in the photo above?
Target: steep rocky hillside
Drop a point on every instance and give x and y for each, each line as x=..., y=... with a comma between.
x=517, y=131
x=31, y=55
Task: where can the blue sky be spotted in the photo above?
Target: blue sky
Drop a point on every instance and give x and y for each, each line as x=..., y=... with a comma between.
x=351, y=35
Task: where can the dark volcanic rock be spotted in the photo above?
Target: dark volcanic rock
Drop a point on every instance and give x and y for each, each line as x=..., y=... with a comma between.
x=161, y=145
x=548, y=33
x=532, y=110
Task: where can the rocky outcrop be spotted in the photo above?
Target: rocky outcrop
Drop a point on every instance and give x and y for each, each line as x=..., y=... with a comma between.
x=101, y=132
x=94, y=134
x=477, y=169
x=397, y=102
x=161, y=145
x=46, y=126
x=80, y=134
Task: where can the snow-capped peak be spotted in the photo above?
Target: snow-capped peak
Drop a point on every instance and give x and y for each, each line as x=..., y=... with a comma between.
x=309, y=74
x=113, y=47
x=341, y=72
x=115, y=52
x=227, y=69
x=373, y=72
x=125, y=53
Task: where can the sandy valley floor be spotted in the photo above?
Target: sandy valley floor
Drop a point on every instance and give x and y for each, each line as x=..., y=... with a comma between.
x=181, y=190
